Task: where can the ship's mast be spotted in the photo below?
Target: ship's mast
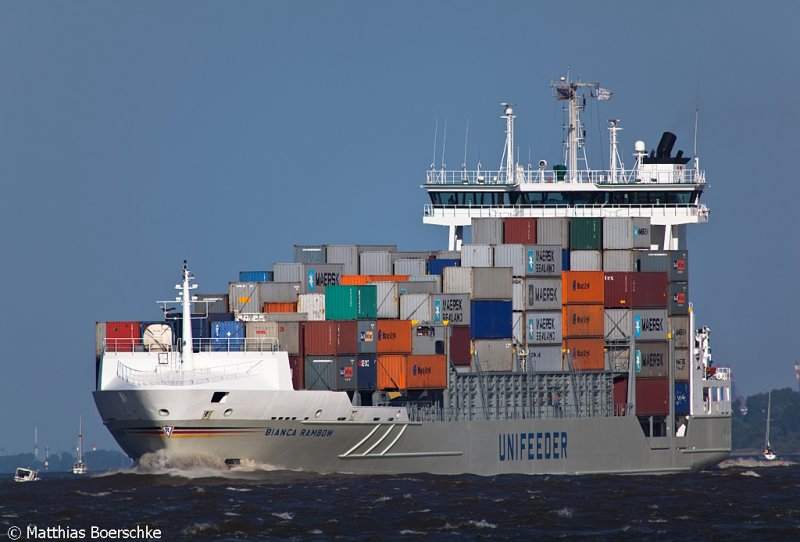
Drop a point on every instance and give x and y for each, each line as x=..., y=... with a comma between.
x=616, y=163
x=508, y=114
x=568, y=90
x=185, y=298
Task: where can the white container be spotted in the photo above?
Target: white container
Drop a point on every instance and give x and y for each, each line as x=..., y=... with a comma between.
x=313, y=305
x=375, y=263
x=344, y=254
x=416, y=307
x=409, y=266
x=518, y=292
x=487, y=231
x=288, y=272
x=586, y=260
x=477, y=256
x=513, y=256
x=552, y=231
x=388, y=301
x=619, y=261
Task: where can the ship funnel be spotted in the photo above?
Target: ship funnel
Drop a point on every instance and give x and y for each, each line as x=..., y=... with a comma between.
x=664, y=149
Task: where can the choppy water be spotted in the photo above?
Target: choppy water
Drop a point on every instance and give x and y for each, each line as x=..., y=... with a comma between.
x=742, y=499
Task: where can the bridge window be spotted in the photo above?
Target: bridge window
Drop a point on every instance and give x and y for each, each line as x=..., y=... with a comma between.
x=463, y=198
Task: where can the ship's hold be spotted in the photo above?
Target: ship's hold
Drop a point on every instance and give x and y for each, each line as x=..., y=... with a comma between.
x=491, y=319
x=493, y=355
x=583, y=287
x=586, y=234
x=519, y=231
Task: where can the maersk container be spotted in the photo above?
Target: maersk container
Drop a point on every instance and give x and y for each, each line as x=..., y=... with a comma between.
x=279, y=292
x=682, y=364
x=491, y=319
x=419, y=287
x=619, y=261
x=586, y=260
x=552, y=231
x=477, y=255
x=519, y=231
x=479, y=282
x=388, y=300
x=487, y=231
x=375, y=263
x=518, y=326
x=367, y=336
x=652, y=359
x=513, y=256
x=453, y=308
x=678, y=298
x=543, y=294
x=320, y=373
x=460, y=345
x=317, y=277
x=247, y=296
x=649, y=289
x=310, y=254
x=679, y=326
x=494, y=355
x=650, y=324
x=367, y=371
x=518, y=294
x=313, y=305
x=642, y=233
x=626, y=233
x=347, y=255
x=288, y=272
x=673, y=262
x=544, y=359
x=346, y=372
x=618, y=324
x=436, y=267
x=256, y=276
x=681, y=398
x=617, y=289
x=428, y=340
x=261, y=336
x=583, y=321
x=409, y=266
x=586, y=234
x=543, y=260
x=351, y=302
x=416, y=307
x=544, y=327
x=652, y=396
x=227, y=336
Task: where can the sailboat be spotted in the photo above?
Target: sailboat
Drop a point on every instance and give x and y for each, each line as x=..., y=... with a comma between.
x=80, y=467
x=768, y=453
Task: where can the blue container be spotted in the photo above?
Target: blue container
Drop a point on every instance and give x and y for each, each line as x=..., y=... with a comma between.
x=436, y=267
x=491, y=319
x=227, y=336
x=256, y=276
x=681, y=397
x=564, y=259
x=367, y=371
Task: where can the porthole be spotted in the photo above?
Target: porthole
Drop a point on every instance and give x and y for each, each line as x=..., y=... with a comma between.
x=318, y=413
x=163, y=412
x=228, y=412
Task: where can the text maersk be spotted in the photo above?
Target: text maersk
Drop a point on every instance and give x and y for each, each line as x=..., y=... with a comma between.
x=532, y=446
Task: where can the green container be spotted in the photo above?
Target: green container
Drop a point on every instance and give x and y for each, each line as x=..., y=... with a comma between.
x=586, y=234
x=351, y=302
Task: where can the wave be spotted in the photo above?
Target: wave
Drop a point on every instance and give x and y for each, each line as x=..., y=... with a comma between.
x=754, y=463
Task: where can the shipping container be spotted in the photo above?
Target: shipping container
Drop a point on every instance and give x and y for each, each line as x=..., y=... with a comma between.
x=99, y=339
x=451, y=308
x=346, y=372
x=650, y=289
x=290, y=337
x=296, y=367
x=673, y=262
x=642, y=233
x=394, y=336
x=261, y=336
x=650, y=324
x=279, y=307
x=652, y=359
x=386, y=278
x=256, y=276
x=388, y=300
x=626, y=233
x=518, y=326
x=351, y=302
x=376, y=248
x=552, y=231
x=416, y=307
x=320, y=373
x=583, y=287
x=347, y=337
x=320, y=338
x=586, y=354
x=375, y=263
x=409, y=266
x=620, y=395
x=420, y=286
x=309, y=254
x=519, y=231
x=544, y=359
x=428, y=340
x=353, y=280
x=367, y=371
x=543, y=294
x=317, y=277
x=543, y=260
x=410, y=254
x=288, y=272
x=681, y=398
x=278, y=317
x=210, y=303
x=347, y=255
x=544, y=327
x=436, y=267
x=618, y=324
x=494, y=355
x=678, y=298
x=200, y=331
x=619, y=261
x=652, y=396
x=586, y=260
x=583, y=321
x=513, y=256
x=491, y=319
x=487, y=231
x=682, y=364
x=123, y=336
x=618, y=289
x=586, y=234
x=367, y=336
x=278, y=292
x=679, y=326
x=311, y=304
x=518, y=294
x=460, y=344
x=246, y=296
x=479, y=282
x=403, y=372
x=565, y=260
x=227, y=336
x=477, y=255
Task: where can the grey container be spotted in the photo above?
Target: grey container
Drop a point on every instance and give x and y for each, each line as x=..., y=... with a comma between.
x=487, y=231
x=420, y=287
x=618, y=324
x=313, y=305
x=642, y=231
x=650, y=324
x=586, y=260
x=652, y=359
x=280, y=292
x=543, y=260
x=376, y=248
x=518, y=326
x=211, y=303
x=407, y=255
x=626, y=233
x=416, y=307
x=246, y=296
x=319, y=275
x=261, y=336
x=678, y=299
x=679, y=326
x=619, y=261
x=479, y=282
x=495, y=355
x=674, y=262
x=428, y=340
x=367, y=337
x=542, y=294
x=320, y=373
x=448, y=255
x=476, y=256
x=288, y=335
x=544, y=359
x=513, y=256
x=388, y=300
x=288, y=272
x=552, y=231
x=287, y=317
x=518, y=294
x=682, y=364
x=375, y=263
x=409, y=266
x=347, y=255
x=346, y=372
x=455, y=308
x=543, y=327
x=310, y=254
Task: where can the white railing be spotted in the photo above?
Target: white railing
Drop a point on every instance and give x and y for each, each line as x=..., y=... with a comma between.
x=223, y=344
x=562, y=211
x=171, y=376
x=531, y=176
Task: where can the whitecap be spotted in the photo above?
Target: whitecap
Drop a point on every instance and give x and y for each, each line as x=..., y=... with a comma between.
x=754, y=474
x=284, y=515
x=565, y=512
x=411, y=532
x=98, y=494
x=483, y=524
x=382, y=499
x=239, y=489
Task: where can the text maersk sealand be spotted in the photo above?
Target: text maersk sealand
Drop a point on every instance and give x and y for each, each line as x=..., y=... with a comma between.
x=186, y=398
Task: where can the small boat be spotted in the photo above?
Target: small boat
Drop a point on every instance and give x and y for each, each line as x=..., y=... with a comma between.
x=23, y=474
x=80, y=467
x=768, y=453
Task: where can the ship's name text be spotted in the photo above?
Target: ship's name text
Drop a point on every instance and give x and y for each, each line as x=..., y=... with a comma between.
x=532, y=446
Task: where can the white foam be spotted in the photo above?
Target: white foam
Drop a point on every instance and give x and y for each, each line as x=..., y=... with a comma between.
x=483, y=524
x=565, y=512
x=751, y=473
x=754, y=463
x=284, y=515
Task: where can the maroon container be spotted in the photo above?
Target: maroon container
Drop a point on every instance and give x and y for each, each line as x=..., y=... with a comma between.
x=620, y=395
x=650, y=290
x=297, y=368
x=618, y=290
x=460, y=345
x=519, y=231
x=347, y=337
x=652, y=396
x=320, y=338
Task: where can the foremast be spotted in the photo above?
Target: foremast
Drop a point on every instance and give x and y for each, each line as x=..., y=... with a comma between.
x=187, y=359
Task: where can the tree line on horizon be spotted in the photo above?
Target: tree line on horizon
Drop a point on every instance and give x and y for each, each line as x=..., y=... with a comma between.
x=748, y=430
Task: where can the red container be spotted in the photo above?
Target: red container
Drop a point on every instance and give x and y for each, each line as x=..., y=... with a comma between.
x=652, y=396
x=460, y=345
x=618, y=290
x=650, y=290
x=394, y=336
x=297, y=367
x=320, y=338
x=520, y=231
x=347, y=337
x=620, y=395
x=122, y=336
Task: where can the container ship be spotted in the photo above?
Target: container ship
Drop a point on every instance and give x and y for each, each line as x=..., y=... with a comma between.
x=560, y=340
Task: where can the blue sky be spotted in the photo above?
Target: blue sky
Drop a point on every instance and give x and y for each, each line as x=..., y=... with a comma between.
x=136, y=134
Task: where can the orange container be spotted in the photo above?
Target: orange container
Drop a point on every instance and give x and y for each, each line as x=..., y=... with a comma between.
x=387, y=278
x=583, y=321
x=280, y=307
x=412, y=372
x=353, y=280
x=394, y=336
x=587, y=354
x=582, y=287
